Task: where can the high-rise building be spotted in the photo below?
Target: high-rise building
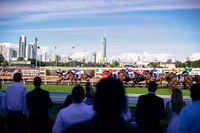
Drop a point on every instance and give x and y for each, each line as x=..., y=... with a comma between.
x=30, y=51
x=53, y=57
x=11, y=54
x=35, y=47
x=22, y=46
x=187, y=58
x=44, y=57
x=66, y=59
x=1, y=49
x=94, y=57
x=103, y=49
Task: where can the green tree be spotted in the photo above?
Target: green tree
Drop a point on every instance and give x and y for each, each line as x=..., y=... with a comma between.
x=115, y=63
x=20, y=59
x=1, y=59
x=179, y=64
x=196, y=64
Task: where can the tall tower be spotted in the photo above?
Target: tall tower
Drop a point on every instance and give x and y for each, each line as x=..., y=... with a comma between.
x=1, y=49
x=103, y=49
x=22, y=46
x=35, y=48
x=29, y=52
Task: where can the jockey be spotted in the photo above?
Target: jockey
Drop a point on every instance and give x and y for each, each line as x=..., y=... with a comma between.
x=65, y=74
x=77, y=73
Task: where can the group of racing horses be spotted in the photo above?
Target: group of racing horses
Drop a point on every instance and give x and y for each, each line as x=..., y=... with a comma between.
x=171, y=78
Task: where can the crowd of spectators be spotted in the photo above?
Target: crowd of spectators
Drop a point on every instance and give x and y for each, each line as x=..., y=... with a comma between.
x=104, y=109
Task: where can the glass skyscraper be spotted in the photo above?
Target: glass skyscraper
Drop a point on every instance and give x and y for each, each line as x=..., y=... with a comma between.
x=103, y=49
x=22, y=46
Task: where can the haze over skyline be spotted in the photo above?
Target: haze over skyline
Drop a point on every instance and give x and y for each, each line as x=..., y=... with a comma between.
x=159, y=28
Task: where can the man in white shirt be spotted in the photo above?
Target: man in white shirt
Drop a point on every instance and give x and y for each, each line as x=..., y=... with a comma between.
x=75, y=112
x=16, y=105
x=189, y=115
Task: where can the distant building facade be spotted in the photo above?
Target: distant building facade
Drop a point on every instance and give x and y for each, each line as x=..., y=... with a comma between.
x=11, y=54
x=1, y=49
x=22, y=46
x=103, y=49
x=44, y=57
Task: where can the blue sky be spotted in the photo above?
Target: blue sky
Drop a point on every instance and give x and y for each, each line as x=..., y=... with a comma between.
x=170, y=28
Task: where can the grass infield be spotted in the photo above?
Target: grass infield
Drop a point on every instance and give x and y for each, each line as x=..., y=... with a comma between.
x=129, y=90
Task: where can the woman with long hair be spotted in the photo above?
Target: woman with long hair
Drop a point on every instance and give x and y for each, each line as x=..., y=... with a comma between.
x=173, y=109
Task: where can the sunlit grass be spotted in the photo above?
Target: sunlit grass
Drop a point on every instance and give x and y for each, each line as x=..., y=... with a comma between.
x=129, y=90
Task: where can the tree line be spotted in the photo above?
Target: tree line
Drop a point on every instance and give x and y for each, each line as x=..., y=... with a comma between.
x=83, y=63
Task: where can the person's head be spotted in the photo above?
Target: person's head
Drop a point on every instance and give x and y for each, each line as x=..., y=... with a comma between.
x=17, y=77
x=37, y=81
x=152, y=86
x=177, y=100
x=195, y=92
x=78, y=94
x=109, y=99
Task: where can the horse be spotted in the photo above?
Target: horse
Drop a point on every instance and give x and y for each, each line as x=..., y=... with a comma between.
x=171, y=78
x=72, y=77
x=123, y=76
x=61, y=76
x=188, y=80
x=148, y=76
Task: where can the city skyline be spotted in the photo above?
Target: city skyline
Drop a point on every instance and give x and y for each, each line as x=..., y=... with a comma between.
x=158, y=28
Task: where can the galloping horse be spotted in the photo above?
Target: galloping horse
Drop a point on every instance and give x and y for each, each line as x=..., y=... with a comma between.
x=187, y=81
x=171, y=78
x=148, y=76
x=123, y=76
x=71, y=76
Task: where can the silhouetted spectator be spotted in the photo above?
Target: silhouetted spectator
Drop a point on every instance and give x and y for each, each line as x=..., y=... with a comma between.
x=2, y=109
x=16, y=105
x=150, y=110
x=109, y=102
x=189, y=116
x=38, y=103
x=89, y=94
x=75, y=112
x=173, y=109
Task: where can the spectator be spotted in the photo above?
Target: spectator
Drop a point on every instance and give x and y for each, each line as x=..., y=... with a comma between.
x=109, y=102
x=173, y=109
x=189, y=116
x=150, y=110
x=38, y=103
x=2, y=102
x=89, y=94
x=75, y=112
x=2, y=109
x=16, y=104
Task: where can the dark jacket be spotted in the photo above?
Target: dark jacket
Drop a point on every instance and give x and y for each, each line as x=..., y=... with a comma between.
x=149, y=112
x=38, y=103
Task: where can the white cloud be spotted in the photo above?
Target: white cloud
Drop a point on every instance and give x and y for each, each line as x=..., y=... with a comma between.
x=28, y=11
x=78, y=55
x=145, y=57
x=195, y=56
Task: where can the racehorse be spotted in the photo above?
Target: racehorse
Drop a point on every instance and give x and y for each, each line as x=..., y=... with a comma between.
x=72, y=77
x=123, y=76
x=187, y=81
x=148, y=76
x=171, y=78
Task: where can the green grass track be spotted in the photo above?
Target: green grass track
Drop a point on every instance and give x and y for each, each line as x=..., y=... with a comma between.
x=129, y=90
